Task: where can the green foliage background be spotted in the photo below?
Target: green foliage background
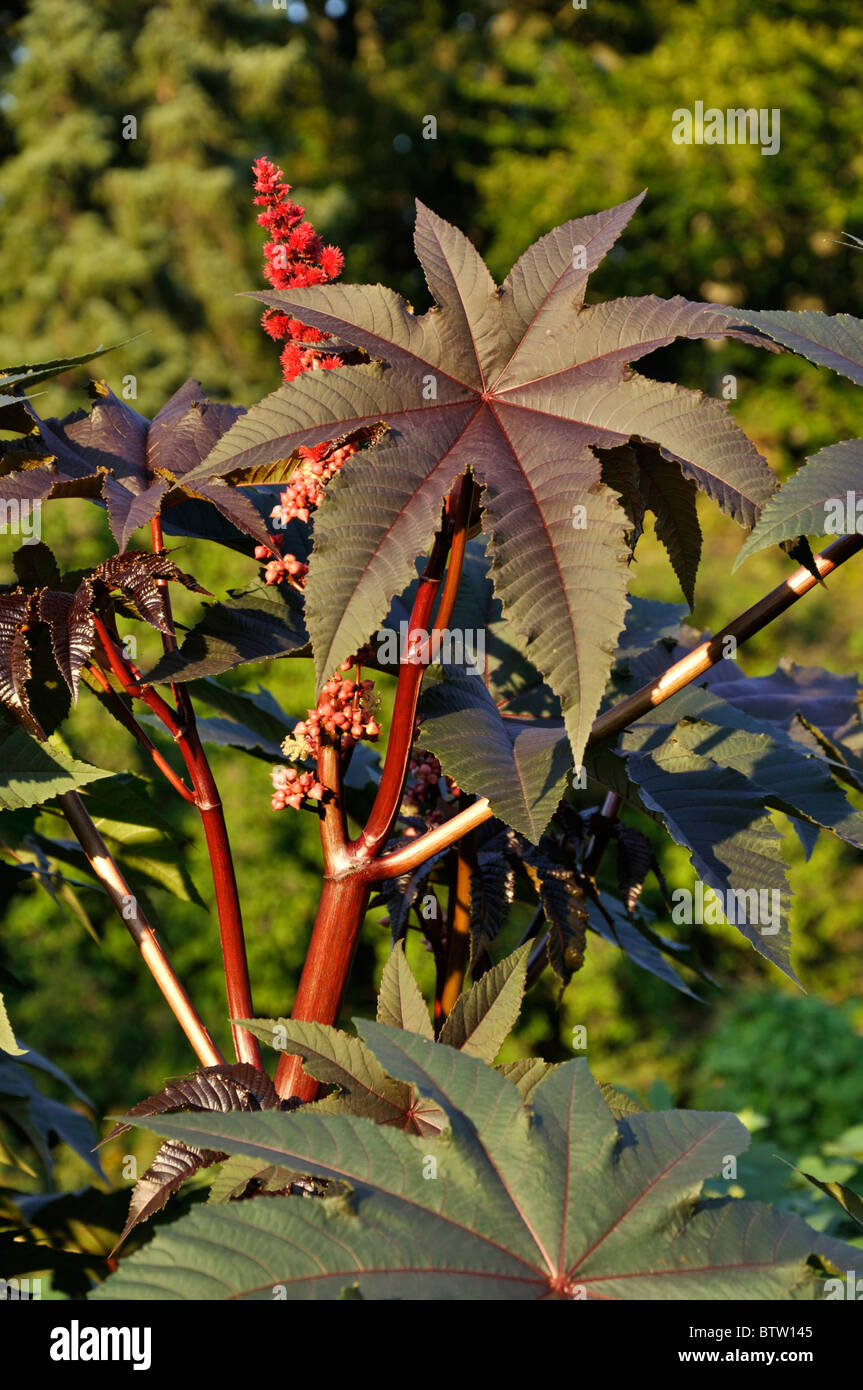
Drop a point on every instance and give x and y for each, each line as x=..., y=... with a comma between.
x=543, y=112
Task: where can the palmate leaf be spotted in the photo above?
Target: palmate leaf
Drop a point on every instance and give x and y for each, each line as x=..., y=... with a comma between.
x=563, y=1202
x=516, y=384
x=800, y=507
x=135, y=465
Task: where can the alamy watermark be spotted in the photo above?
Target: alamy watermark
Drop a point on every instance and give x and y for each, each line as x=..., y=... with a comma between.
x=844, y=514
x=735, y=126
x=414, y=646
x=21, y=518
x=759, y=907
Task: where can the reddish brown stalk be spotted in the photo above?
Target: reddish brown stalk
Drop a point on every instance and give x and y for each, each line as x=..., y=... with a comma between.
x=458, y=929
x=128, y=720
x=459, y=506
x=208, y=803
x=139, y=928
x=654, y=693
x=347, y=864
x=130, y=679
x=231, y=934
x=338, y=920
x=389, y=794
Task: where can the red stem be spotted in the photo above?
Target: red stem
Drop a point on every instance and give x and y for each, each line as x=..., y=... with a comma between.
x=389, y=793
x=326, y=969
x=207, y=800
x=348, y=865
x=128, y=720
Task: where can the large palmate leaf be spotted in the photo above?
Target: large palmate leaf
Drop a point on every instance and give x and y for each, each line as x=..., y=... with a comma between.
x=518, y=384
x=562, y=1201
x=803, y=505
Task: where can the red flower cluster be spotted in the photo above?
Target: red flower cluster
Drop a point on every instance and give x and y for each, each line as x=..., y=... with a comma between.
x=343, y=712
x=296, y=256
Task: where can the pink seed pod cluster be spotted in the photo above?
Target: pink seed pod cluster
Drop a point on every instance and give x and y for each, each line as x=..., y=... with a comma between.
x=290, y=788
x=344, y=714
x=422, y=793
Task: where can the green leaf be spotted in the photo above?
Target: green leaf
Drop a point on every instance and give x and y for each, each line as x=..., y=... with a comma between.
x=520, y=765
x=43, y=1120
x=801, y=506
x=32, y=772
x=831, y=340
x=26, y=376
x=563, y=1202
x=252, y=625
x=526, y=1073
x=482, y=1019
x=719, y=817
x=793, y=778
x=610, y=920
x=7, y=1036
x=400, y=1002
x=492, y=884
x=619, y=1103
x=849, y=1201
